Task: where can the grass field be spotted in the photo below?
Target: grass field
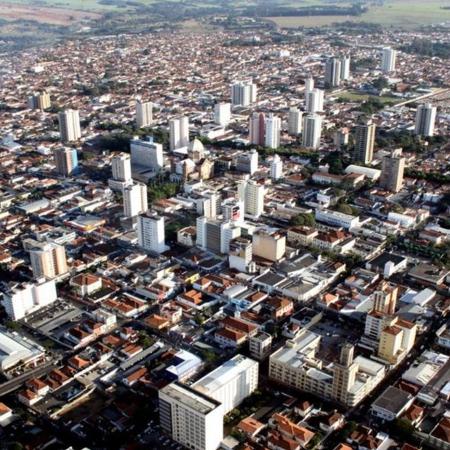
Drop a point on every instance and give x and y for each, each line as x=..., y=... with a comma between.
x=359, y=98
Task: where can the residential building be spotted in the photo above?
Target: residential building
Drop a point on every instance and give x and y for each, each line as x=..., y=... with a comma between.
x=252, y=195
x=312, y=131
x=121, y=167
x=146, y=154
x=144, y=113
x=151, y=233
x=314, y=101
x=388, y=60
x=179, y=132
x=425, y=120
x=69, y=125
x=269, y=245
x=39, y=100
x=222, y=114
x=276, y=168
x=295, y=119
x=257, y=129
x=260, y=345
x=47, y=259
x=364, y=141
x=243, y=93
x=135, y=200
x=333, y=73
x=66, y=161
x=248, y=162
x=345, y=68
x=392, y=171
x=273, y=129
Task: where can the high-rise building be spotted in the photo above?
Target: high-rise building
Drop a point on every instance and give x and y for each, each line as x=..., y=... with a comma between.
x=216, y=235
x=222, y=114
x=230, y=383
x=146, y=154
x=314, y=101
x=47, y=259
x=260, y=345
x=273, y=128
x=248, y=162
x=295, y=119
x=388, y=60
x=345, y=68
x=144, y=113
x=341, y=138
x=151, y=233
x=312, y=131
x=364, y=141
x=66, y=161
x=243, y=93
x=276, y=168
x=385, y=298
x=252, y=195
x=240, y=254
x=269, y=245
x=191, y=418
x=39, y=100
x=179, y=132
x=332, y=73
x=134, y=199
x=393, y=167
x=69, y=125
x=309, y=84
x=344, y=374
x=425, y=120
x=257, y=129
x=121, y=167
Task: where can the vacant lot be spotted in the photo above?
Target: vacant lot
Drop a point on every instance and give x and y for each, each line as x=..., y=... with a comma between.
x=352, y=96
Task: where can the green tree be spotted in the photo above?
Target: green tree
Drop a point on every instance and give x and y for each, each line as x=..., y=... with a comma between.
x=303, y=219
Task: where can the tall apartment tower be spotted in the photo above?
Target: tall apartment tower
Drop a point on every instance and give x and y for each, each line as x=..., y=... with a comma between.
x=314, y=101
x=248, y=162
x=295, y=119
x=364, y=141
x=333, y=73
x=252, y=195
x=39, y=100
x=243, y=93
x=147, y=154
x=425, y=120
x=69, y=125
x=48, y=260
x=179, y=132
x=309, y=84
x=393, y=167
x=273, y=129
x=312, y=131
x=385, y=299
x=257, y=129
x=344, y=374
x=222, y=114
x=135, y=199
x=121, y=167
x=151, y=233
x=144, y=113
x=66, y=161
x=388, y=60
x=191, y=418
x=345, y=68
x=276, y=168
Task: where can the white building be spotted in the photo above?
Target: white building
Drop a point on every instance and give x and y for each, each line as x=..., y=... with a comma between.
x=243, y=93
x=121, y=167
x=248, y=162
x=276, y=168
x=336, y=218
x=69, y=125
x=190, y=417
x=295, y=119
x=179, y=132
x=273, y=128
x=425, y=120
x=388, y=60
x=135, y=199
x=314, y=101
x=151, y=233
x=333, y=73
x=312, y=131
x=252, y=195
x=222, y=114
x=231, y=382
x=260, y=345
x=368, y=172
x=146, y=154
x=345, y=68
x=144, y=113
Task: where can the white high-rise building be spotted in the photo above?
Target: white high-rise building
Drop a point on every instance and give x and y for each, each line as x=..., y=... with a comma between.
x=146, y=154
x=151, y=233
x=144, y=113
x=345, y=68
x=252, y=195
x=312, y=131
x=228, y=232
x=243, y=93
x=191, y=418
x=388, y=60
x=135, y=199
x=425, y=120
x=248, y=162
x=121, y=167
x=233, y=210
x=276, y=168
x=179, y=132
x=333, y=73
x=222, y=114
x=273, y=128
x=309, y=84
x=314, y=101
x=69, y=125
x=295, y=119
x=230, y=383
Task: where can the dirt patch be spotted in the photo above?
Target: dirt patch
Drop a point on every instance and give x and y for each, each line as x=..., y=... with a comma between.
x=54, y=16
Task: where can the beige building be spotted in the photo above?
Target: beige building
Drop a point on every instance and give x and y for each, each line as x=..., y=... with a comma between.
x=270, y=246
x=39, y=100
x=396, y=341
x=392, y=171
x=47, y=259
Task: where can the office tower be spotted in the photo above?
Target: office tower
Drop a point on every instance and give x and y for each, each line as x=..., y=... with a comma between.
x=191, y=418
x=312, y=131
x=364, y=141
x=273, y=128
x=257, y=129
x=39, y=100
x=388, y=59
x=144, y=113
x=333, y=73
x=344, y=374
x=69, y=125
x=345, y=68
x=47, y=259
x=21, y=299
x=134, y=199
x=276, y=168
x=295, y=118
x=146, y=154
x=385, y=298
x=425, y=120
x=240, y=254
x=393, y=167
x=179, y=132
x=252, y=195
x=151, y=233
x=269, y=245
x=247, y=162
x=66, y=161
x=243, y=93
x=314, y=101
x=309, y=84
x=222, y=114
x=121, y=167
x=230, y=383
